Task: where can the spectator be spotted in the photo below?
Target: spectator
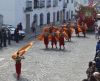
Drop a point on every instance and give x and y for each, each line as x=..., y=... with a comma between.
x=1, y=39
x=16, y=35
x=98, y=64
x=92, y=78
x=9, y=37
x=20, y=27
x=4, y=36
x=33, y=27
x=90, y=70
x=98, y=46
x=96, y=32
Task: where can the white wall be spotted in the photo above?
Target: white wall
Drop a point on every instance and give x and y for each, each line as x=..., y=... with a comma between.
x=19, y=12
x=45, y=11
x=70, y=7
x=7, y=9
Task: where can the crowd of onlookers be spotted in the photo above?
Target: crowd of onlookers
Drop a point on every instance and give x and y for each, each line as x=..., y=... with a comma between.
x=6, y=37
x=93, y=71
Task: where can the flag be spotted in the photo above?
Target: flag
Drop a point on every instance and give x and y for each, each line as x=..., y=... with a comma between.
x=90, y=3
x=22, y=50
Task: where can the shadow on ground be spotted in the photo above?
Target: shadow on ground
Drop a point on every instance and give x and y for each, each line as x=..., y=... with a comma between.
x=56, y=50
x=21, y=78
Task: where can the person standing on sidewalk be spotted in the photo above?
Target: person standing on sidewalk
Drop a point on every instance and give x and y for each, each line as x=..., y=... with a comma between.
x=4, y=36
x=16, y=35
x=1, y=38
x=9, y=37
x=33, y=28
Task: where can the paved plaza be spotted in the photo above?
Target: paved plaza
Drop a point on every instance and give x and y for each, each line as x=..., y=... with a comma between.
x=52, y=64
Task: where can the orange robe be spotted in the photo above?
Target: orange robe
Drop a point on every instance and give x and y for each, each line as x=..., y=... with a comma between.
x=61, y=39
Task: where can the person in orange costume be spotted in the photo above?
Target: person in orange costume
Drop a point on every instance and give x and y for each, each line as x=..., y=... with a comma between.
x=84, y=27
x=61, y=40
x=46, y=39
x=69, y=33
x=18, y=65
x=53, y=39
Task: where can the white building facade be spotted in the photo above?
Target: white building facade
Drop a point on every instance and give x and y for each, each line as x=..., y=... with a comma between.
x=40, y=11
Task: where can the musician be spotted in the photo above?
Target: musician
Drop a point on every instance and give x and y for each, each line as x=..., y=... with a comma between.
x=46, y=39
x=69, y=33
x=18, y=65
x=53, y=39
x=84, y=27
x=61, y=40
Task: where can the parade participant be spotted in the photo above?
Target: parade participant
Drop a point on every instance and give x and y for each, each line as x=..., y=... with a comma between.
x=61, y=40
x=84, y=27
x=18, y=65
x=69, y=33
x=51, y=28
x=76, y=29
x=53, y=39
x=46, y=39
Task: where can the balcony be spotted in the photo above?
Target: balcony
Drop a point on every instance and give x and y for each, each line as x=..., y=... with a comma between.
x=65, y=5
x=28, y=6
x=36, y=4
x=48, y=3
x=42, y=4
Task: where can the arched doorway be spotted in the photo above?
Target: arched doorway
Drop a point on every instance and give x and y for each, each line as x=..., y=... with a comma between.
x=48, y=18
x=41, y=19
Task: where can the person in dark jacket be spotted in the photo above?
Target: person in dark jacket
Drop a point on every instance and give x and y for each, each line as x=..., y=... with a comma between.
x=20, y=27
x=16, y=35
x=0, y=37
x=9, y=38
x=98, y=46
x=97, y=63
x=4, y=36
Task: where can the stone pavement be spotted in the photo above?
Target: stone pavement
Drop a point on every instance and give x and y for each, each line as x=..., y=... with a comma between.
x=52, y=64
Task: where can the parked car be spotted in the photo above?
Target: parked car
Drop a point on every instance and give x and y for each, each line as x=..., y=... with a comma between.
x=12, y=30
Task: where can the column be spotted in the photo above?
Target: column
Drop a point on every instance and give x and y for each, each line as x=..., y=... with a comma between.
x=45, y=3
x=51, y=3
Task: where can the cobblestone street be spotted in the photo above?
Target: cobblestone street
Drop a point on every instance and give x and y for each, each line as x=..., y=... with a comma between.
x=50, y=65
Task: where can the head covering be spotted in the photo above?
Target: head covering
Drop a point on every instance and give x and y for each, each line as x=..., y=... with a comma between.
x=96, y=75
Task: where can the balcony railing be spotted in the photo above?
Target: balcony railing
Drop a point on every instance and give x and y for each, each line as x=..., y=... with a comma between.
x=42, y=4
x=65, y=5
x=28, y=6
x=48, y=3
